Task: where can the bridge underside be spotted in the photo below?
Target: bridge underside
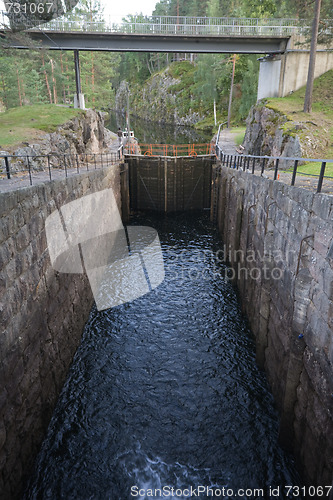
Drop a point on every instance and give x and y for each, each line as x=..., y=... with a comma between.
x=116, y=42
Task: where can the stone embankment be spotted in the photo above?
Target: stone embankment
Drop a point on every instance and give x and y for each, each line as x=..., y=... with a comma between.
x=42, y=315
x=279, y=240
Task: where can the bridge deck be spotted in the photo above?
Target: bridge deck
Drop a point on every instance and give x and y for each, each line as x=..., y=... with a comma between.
x=162, y=34
x=118, y=42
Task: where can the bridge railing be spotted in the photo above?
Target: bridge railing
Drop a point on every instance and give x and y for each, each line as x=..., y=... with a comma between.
x=181, y=25
x=260, y=165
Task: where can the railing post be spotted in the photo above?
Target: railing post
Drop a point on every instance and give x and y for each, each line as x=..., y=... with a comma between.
x=263, y=166
x=7, y=167
x=65, y=165
x=49, y=166
x=321, y=176
x=253, y=165
x=294, y=173
x=29, y=169
x=276, y=169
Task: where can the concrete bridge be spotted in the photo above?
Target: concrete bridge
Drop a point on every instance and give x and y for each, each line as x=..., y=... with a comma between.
x=283, y=68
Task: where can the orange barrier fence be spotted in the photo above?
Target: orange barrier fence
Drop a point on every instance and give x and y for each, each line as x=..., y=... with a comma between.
x=170, y=149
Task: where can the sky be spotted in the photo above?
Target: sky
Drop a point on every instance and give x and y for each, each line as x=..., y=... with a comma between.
x=117, y=9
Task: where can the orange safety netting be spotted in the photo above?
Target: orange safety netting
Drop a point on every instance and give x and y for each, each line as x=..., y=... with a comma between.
x=170, y=149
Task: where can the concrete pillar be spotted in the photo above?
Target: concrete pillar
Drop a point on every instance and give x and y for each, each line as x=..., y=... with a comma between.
x=79, y=101
x=269, y=77
x=78, y=97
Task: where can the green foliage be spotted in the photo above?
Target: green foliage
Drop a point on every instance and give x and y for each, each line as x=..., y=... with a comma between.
x=243, y=8
x=213, y=8
x=249, y=87
x=318, y=124
x=180, y=68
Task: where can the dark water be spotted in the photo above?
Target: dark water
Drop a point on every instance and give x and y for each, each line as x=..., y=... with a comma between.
x=164, y=391
x=154, y=133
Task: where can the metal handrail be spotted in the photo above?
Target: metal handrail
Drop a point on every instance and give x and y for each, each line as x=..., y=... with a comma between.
x=247, y=162
x=221, y=127
x=57, y=162
x=178, y=25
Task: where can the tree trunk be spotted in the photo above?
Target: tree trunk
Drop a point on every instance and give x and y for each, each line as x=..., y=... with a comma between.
x=4, y=92
x=22, y=90
x=93, y=78
x=62, y=75
x=67, y=76
x=19, y=87
x=55, y=98
x=46, y=80
x=312, y=61
x=231, y=88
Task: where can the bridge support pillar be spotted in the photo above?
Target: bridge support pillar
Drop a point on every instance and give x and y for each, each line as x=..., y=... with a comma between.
x=282, y=74
x=269, y=77
x=78, y=97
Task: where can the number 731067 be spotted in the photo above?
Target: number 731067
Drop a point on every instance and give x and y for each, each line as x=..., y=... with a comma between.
x=29, y=8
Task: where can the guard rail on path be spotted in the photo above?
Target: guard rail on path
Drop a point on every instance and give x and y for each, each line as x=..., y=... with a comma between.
x=259, y=165
x=55, y=165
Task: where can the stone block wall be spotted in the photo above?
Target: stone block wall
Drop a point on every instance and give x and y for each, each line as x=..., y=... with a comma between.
x=280, y=244
x=42, y=317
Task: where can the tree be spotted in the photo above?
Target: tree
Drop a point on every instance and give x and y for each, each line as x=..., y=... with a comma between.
x=213, y=8
x=312, y=61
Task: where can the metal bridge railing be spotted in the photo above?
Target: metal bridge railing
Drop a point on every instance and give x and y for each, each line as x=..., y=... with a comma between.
x=175, y=150
x=181, y=25
x=55, y=166
x=259, y=165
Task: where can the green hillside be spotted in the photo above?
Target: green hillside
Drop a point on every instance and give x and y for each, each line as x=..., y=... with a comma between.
x=28, y=123
x=317, y=131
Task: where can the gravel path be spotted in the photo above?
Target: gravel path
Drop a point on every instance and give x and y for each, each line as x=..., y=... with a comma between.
x=227, y=143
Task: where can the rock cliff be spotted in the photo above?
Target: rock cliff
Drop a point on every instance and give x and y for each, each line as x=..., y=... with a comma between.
x=270, y=132
x=84, y=134
x=165, y=97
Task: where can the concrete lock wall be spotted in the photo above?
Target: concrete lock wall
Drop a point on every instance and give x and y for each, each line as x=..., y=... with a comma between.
x=280, y=243
x=279, y=75
x=42, y=315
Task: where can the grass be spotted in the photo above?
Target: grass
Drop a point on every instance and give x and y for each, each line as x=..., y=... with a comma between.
x=28, y=123
x=317, y=126
x=239, y=134
x=313, y=168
